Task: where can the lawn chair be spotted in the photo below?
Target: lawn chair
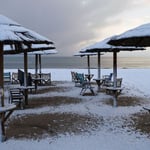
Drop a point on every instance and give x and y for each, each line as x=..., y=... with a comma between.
x=85, y=84
x=79, y=78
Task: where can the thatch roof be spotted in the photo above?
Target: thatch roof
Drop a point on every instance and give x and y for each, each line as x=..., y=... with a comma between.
x=139, y=36
x=20, y=38
x=103, y=46
x=12, y=32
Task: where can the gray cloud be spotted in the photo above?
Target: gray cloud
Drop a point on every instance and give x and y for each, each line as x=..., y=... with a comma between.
x=66, y=22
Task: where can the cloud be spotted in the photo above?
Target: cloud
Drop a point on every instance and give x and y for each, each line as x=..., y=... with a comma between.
x=67, y=22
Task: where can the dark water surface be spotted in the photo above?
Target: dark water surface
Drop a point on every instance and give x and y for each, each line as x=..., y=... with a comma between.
x=16, y=61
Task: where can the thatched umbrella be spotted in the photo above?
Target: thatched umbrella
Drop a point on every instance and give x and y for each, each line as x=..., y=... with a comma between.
x=102, y=46
x=88, y=59
x=38, y=63
x=20, y=40
x=83, y=53
x=139, y=36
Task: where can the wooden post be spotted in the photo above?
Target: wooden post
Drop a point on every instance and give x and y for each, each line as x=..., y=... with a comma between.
x=99, y=70
x=1, y=75
x=40, y=65
x=115, y=69
x=99, y=65
x=26, y=77
x=36, y=65
x=115, y=78
x=88, y=62
x=0, y=128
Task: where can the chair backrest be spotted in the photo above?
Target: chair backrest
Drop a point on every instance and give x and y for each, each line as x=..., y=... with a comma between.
x=33, y=75
x=21, y=76
x=7, y=77
x=80, y=77
x=73, y=75
x=29, y=79
x=46, y=76
x=14, y=77
x=108, y=77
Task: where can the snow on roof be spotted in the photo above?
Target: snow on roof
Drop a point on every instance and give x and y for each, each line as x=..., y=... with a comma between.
x=44, y=52
x=11, y=32
x=139, y=36
x=84, y=54
x=142, y=30
x=6, y=21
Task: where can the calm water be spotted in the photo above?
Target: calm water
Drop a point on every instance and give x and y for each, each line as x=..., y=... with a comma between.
x=12, y=62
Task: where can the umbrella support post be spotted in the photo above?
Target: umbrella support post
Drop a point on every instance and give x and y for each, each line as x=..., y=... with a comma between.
x=114, y=101
x=98, y=88
x=26, y=96
x=115, y=97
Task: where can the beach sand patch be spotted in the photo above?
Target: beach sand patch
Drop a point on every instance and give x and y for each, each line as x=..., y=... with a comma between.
x=127, y=101
x=49, y=89
x=37, y=126
x=140, y=122
x=52, y=101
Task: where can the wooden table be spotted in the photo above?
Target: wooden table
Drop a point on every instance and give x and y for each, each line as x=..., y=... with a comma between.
x=89, y=76
x=5, y=112
x=115, y=93
x=99, y=83
x=25, y=89
x=36, y=81
x=85, y=86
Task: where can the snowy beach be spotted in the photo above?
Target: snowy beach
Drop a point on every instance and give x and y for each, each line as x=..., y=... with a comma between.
x=110, y=133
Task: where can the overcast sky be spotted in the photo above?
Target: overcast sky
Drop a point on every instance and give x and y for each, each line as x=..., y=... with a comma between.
x=74, y=24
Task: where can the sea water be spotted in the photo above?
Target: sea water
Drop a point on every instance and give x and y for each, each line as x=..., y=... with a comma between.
x=17, y=61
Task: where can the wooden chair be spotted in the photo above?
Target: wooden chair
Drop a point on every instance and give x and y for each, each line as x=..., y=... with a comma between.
x=73, y=75
x=118, y=85
x=7, y=77
x=107, y=79
x=14, y=78
x=46, y=78
x=17, y=97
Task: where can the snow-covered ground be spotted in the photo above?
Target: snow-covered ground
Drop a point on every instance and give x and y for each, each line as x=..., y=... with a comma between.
x=110, y=136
